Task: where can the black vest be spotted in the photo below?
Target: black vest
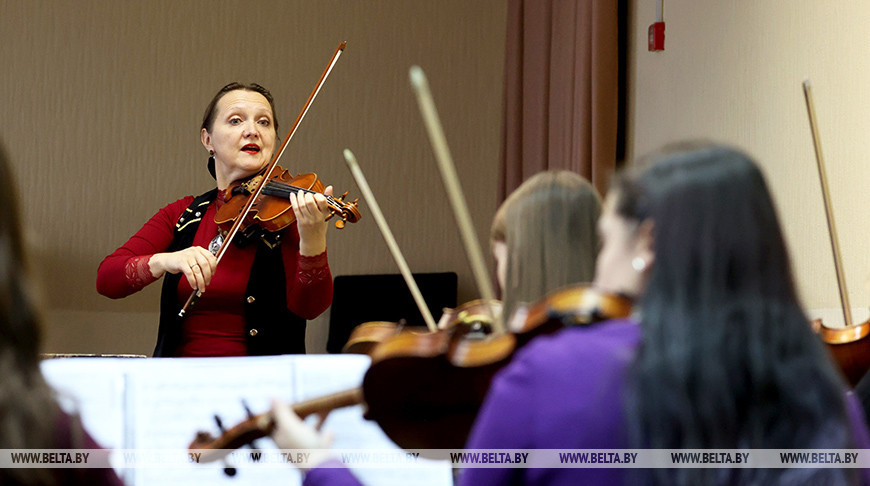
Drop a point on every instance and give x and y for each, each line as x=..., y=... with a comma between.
x=271, y=327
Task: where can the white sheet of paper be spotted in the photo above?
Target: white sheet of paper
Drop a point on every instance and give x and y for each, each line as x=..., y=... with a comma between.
x=153, y=405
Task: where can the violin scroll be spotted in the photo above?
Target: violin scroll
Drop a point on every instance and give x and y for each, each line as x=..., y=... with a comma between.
x=259, y=426
x=346, y=211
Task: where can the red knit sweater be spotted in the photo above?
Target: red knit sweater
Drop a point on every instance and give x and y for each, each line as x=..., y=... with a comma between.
x=216, y=325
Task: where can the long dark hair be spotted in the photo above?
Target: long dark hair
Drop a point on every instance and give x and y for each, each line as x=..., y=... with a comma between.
x=728, y=359
x=28, y=411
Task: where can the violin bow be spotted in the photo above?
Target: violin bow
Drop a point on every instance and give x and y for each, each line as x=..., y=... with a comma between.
x=454, y=190
x=832, y=228
x=271, y=167
x=369, y=196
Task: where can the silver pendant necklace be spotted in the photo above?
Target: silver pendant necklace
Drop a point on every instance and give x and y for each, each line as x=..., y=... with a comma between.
x=216, y=243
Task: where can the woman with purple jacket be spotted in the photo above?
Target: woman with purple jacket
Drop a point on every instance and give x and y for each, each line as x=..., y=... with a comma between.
x=720, y=355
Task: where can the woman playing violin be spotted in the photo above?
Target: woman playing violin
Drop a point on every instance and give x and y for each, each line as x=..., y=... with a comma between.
x=256, y=303
x=726, y=358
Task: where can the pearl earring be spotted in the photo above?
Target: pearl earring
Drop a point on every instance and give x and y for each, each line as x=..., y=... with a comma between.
x=638, y=264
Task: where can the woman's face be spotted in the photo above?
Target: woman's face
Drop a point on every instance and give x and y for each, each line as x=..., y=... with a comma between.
x=242, y=137
x=499, y=251
x=626, y=252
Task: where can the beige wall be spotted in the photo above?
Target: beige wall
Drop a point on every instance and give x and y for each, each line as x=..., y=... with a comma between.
x=732, y=71
x=102, y=100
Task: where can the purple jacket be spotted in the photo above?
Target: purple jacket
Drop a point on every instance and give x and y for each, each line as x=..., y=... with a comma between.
x=535, y=403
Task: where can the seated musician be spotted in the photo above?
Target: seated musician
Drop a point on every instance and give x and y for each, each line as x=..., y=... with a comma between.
x=258, y=302
x=543, y=237
x=31, y=418
x=726, y=359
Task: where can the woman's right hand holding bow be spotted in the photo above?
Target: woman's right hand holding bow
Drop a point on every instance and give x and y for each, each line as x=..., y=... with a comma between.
x=196, y=263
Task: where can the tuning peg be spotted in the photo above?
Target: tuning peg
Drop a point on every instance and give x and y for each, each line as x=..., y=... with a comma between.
x=228, y=470
x=247, y=409
x=250, y=415
x=341, y=198
x=339, y=224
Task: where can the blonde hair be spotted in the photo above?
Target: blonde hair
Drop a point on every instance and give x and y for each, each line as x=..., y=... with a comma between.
x=548, y=226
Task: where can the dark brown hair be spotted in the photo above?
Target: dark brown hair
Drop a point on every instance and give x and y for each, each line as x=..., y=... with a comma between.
x=210, y=112
x=29, y=411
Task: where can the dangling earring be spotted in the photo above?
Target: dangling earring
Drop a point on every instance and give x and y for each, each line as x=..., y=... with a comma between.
x=638, y=264
x=211, y=164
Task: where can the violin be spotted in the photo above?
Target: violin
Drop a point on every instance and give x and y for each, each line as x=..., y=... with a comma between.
x=849, y=345
x=445, y=375
x=576, y=305
x=473, y=318
x=272, y=212
x=478, y=316
x=366, y=336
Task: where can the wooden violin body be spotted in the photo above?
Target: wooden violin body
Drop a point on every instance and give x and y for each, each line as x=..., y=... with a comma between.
x=573, y=306
x=477, y=316
x=425, y=389
x=272, y=210
x=472, y=318
x=367, y=335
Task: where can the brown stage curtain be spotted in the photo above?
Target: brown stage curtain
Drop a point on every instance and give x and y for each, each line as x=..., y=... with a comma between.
x=561, y=90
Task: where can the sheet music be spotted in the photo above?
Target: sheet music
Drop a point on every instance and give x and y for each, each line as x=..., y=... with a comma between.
x=94, y=389
x=172, y=399
x=152, y=405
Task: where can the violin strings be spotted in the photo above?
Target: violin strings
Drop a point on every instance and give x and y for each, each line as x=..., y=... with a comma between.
x=282, y=189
